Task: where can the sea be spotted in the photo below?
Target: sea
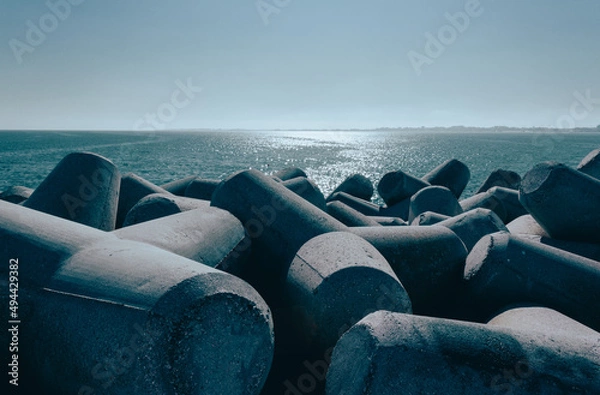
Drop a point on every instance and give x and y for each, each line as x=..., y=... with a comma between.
x=328, y=157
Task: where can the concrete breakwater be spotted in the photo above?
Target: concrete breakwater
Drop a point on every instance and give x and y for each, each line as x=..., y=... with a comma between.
x=259, y=284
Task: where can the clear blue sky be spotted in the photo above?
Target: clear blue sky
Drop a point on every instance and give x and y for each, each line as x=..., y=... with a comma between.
x=316, y=64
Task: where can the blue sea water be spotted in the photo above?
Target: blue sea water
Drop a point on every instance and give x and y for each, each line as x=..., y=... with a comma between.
x=327, y=156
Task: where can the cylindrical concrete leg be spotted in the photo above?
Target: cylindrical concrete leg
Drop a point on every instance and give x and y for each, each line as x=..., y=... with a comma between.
x=178, y=187
x=452, y=174
x=16, y=194
x=207, y=235
x=159, y=205
x=399, y=210
x=503, y=269
x=587, y=250
x=485, y=200
x=473, y=225
x=395, y=353
x=527, y=225
x=201, y=188
x=122, y=317
x=590, y=165
x=306, y=188
x=337, y=279
x=428, y=218
x=501, y=178
x=544, y=320
x=290, y=172
x=278, y=222
x=361, y=205
x=133, y=188
x=563, y=201
x=355, y=185
x=389, y=221
x=396, y=186
x=510, y=202
x=435, y=198
x=429, y=261
x=83, y=187
x=348, y=216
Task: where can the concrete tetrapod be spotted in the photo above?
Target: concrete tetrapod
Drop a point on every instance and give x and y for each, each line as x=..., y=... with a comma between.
x=306, y=188
x=336, y=279
x=563, y=201
x=159, y=205
x=289, y=172
x=178, y=187
x=134, y=188
x=527, y=225
x=428, y=218
x=473, y=225
x=111, y=316
x=588, y=250
x=590, y=165
x=83, y=187
x=201, y=188
x=356, y=185
x=278, y=222
x=435, y=198
x=452, y=174
x=396, y=353
x=207, y=235
x=396, y=186
x=361, y=205
x=503, y=269
x=485, y=200
x=349, y=216
x=16, y=194
x=428, y=260
x=501, y=178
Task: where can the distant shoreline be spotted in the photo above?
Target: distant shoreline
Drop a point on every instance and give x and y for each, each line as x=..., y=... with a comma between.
x=438, y=129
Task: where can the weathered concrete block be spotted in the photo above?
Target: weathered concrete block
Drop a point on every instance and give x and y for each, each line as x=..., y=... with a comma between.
x=452, y=174
x=428, y=218
x=207, y=235
x=361, y=205
x=337, y=279
x=290, y=172
x=501, y=178
x=396, y=186
x=16, y=194
x=396, y=353
x=83, y=188
x=590, y=165
x=306, y=188
x=278, y=222
x=429, y=261
x=526, y=224
x=133, y=188
x=355, y=185
x=121, y=317
x=563, y=201
x=435, y=198
x=201, y=188
x=473, y=225
x=178, y=187
x=485, y=200
x=503, y=269
x=158, y=205
x=348, y=216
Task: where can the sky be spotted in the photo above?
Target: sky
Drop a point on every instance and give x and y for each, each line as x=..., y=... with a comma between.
x=298, y=64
